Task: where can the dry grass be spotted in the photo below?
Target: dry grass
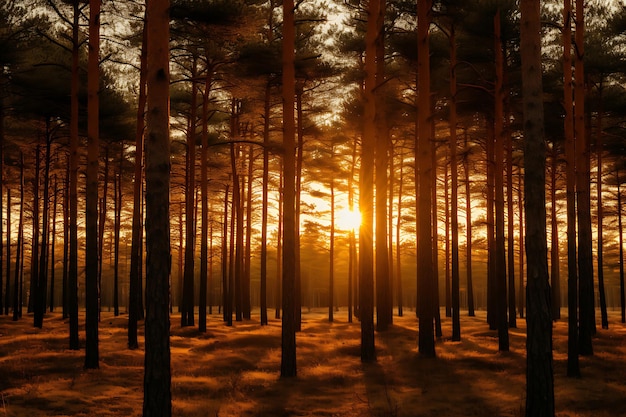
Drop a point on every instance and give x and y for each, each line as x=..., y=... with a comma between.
x=234, y=371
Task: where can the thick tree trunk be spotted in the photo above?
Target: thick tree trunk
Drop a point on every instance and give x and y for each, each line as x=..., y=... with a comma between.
x=289, y=296
x=157, y=378
x=539, y=372
x=135, y=296
x=426, y=340
x=366, y=190
x=382, y=279
x=583, y=195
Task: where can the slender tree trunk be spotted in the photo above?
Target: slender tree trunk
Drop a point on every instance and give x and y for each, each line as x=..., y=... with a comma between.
x=492, y=298
x=264, y=203
x=382, y=278
x=42, y=280
x=17, y=283
x=247, y=254
x=204, y=192
x=583, y=197
x=554, y=241
x=454, y=210
x=500, y=249
x=600, y=242
x=468, y=231
x=52, y=243
x=187, y=307
x=34, y=262
x=279, y=246
x=510, y=232
x=539, y=373
x=435, y=233
x=66, y=240
x=225, y=269
x=118, y=224
x=400, y=295
x=426, y=342
x=447, y=238
x=331, y=263
x=134, y=300
x=620, y=228
x=522, y=249
x=288, y=351
x=101, y=223
x=7, y=292
x=91, y=221
x=352, y=256
x=157, y=377
x=299, y=160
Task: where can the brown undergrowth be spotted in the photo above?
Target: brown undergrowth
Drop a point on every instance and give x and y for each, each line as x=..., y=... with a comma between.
x=234, y=371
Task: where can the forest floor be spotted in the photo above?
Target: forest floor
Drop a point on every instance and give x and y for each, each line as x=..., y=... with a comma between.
x=234, y=371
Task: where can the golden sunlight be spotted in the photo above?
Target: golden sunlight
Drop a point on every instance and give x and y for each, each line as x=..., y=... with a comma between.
x=348, y=220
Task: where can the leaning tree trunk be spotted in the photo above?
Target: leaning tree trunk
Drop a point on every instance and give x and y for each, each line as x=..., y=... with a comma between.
x=539, y=372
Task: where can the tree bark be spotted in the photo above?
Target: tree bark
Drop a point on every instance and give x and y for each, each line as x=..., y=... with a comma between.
x=539, y=372
x=157, y=377
x=583, y=197
x=288, y=338
x=426, y=340
x=454, y=219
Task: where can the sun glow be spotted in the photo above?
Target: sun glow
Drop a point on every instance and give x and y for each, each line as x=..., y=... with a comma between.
x=348, y=220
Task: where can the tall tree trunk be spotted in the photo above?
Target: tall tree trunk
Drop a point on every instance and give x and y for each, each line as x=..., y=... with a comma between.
x=34, y=262
x=426, y=340
x=299, y=160
x=91, y=220
x=66, y=240
x=352, y=255
x=400, y=295
x=117, y=227
x=522, y=249
x=135, y=296
x=500, y=248
x=102, y=221
x=468, y=231
x=247, y=254
x=52, y=243
x=454, y=210
x=17, y=283
x=492, y=282
x=554, y=241
x=157, y=376
x=331, y=259
x=620, y=229
x=583, y=197
x=72, y=277
x=279, y=245
x=204, y=192
x=288, y=351
x=382, y=278
x=42, y=279
x=510, y=232
x=539, y=372
x=600, y=243
x=435, y=233
x=187, y=307
x=366, y=190
x=264, y=202
x=225, y=263
x=7, y=292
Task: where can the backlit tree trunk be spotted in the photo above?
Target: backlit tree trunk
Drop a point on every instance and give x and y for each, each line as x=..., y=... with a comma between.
x=583, y=197
x=157, y=400
x=426, y=340
x=468, y=231
x=366, y=190
x=91, y=220
x=288, y=351
x=454, y=219
x=539, y=373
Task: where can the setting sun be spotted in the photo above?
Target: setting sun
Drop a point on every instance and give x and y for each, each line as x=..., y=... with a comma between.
x=348, y=220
